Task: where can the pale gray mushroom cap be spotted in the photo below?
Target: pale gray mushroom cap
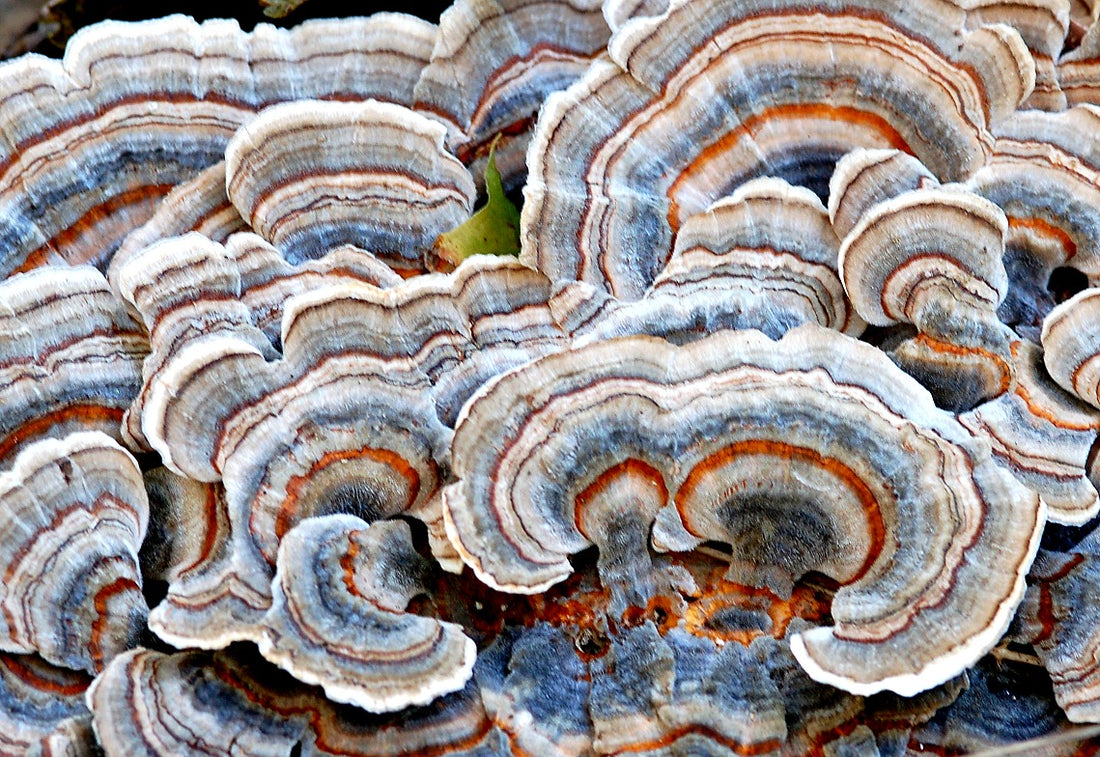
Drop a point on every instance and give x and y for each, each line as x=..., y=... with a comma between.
x=1071, y=345
x=929, y=256
x=493, y=64
x=70, y=357
x=764, y=258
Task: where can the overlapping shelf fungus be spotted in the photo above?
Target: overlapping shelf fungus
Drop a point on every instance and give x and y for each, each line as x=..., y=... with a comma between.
x=779, y=437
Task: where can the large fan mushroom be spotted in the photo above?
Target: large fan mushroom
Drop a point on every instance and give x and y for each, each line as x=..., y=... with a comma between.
x=813, y=453
x=711, y=94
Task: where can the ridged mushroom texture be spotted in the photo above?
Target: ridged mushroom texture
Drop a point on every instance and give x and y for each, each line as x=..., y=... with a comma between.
x=337, y=618
x=493, y=64
x=708, y=95
x=40, y=702
x=1045, y=174
x=763, y=258
x=930, y=257
x=751, y=450
x=72, y=585
x=1071, y=345
x=866, y=481
x=91, y=149
x=311, y=176
x=353, y=417
x=1064, y=579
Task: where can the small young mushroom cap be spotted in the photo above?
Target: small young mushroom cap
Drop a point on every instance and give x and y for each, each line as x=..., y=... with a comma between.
x=716, y=92
x=931, y=257
x=310, y=176
x=1043, y=25
x=95, y=141
x=35, y=699
x=77, y=514
x=814, y=453
x=493, y=65
x=1071, y=345
x=70, y=357
x=1044, y=436
x=1079, y=69
x=864, y=178
x=268, y=280
x=338, y=617
x=763, y=258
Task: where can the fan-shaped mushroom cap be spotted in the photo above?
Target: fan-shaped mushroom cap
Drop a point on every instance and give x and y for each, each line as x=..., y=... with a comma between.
x=1044, y=436
x=930, y=257
x=268, y=280
x=495, y=62
x=715, y=92
x=234, y=702
x=70, y=357
x=1071, y=345
x=35, y=699
x=864, y=178
x=149, y=703
x=763, y=258
x=91, y=147
x=186, y=290
x=72, y=589
x=1044, y=174
x=311, y=176
x=1043, y=25
x=338, y=618
x=351, y=419
x=199, y=204
x=547, y=455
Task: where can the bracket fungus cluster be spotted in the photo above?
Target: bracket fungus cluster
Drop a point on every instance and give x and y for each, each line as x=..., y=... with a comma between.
x=751, y=451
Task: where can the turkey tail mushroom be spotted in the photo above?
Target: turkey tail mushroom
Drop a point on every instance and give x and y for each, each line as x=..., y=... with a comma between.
x=916, y=524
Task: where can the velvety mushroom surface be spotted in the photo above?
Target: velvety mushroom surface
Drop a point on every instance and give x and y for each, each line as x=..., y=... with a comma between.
x=695, y=101
x=547, y=455
x=751, y=451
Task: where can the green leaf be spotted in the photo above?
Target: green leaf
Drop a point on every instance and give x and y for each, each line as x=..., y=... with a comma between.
x=492, y=230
